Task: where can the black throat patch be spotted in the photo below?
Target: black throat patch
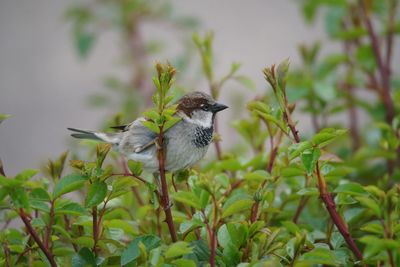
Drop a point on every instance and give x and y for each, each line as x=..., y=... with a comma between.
x=202, y=136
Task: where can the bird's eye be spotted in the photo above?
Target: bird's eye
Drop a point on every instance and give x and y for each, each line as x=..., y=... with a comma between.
x=205, y=107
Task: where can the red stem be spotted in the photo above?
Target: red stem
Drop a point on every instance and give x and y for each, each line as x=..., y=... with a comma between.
x=382, y=67
x=300, y=208
x=2, y=168
x=390, y=34
x=212, y=247
x=7, y=255
x=165, y=202
x=337, y=220
x=134, y=189
x=49, y=226
x=274, y=152
x=35, y=236
x=95, y=229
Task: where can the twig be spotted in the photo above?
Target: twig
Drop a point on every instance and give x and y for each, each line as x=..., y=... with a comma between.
x=134, y=190
x=49, y=227
x=2, y=168
x=353, y=117
x=300, y=208
x=68, y=228
x=7, y=254
x=213, y=243
x=95, y=228
x=382, y=67
x=389, y=37
x=387, y=235
x=272, y=157
x=49, y=255
x=337, y=220
x=165, y=202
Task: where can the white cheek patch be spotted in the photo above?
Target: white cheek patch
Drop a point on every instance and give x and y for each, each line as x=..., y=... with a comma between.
x=205, y=120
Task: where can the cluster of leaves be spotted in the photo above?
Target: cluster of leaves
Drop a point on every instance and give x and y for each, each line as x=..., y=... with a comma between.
x=322, y=197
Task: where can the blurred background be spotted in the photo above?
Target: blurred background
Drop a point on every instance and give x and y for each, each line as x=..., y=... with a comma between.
x=72, y=63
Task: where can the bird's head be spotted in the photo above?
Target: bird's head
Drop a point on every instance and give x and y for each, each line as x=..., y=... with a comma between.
x=199, y=108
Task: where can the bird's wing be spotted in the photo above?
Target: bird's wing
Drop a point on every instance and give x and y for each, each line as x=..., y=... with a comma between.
x=137, y=137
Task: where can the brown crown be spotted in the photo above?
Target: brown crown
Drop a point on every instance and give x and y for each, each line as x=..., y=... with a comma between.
x=192, y=101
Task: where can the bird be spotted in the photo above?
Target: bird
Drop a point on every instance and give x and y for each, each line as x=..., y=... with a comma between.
x=186, y=142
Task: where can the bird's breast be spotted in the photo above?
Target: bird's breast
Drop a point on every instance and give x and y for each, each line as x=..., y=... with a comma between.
x=202, y=136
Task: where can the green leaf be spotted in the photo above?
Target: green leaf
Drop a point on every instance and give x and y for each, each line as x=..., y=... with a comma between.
x=189, y=225
x=281, y=73
x=296, y=149
x=39, y=194
x=121, y=186
x=292, y=171
x=102, y=150
x=7, y=182
x=374, y=228
x=188, y=198
x=232, y=234
x=370, y=204
x=291, y=227
x=352, y=189
x=151, y=114
x=309, y=158
x=236, y=207
x=258, y=175
x=178, y=249
x=151, y=126
x=19, y=197
x=63, y=252
x=309, y=191
x=71, y=208
x=375, y=245
x=365, y=57
x=26, y=175
x=132, y=252
x=39, y=205
x=38, y=223
x=135, y=167
x=124, y=225
x=171, y=122
x=68, y=184
x=83, y=258
x=183, y=263
x=327, y=136
x=85, y=241
x=320, y=256
x=96, y=194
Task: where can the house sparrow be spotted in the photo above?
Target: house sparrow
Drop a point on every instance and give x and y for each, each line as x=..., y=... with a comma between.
x=186, y=142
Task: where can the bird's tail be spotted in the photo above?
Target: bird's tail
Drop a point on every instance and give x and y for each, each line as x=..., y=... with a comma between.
x=112, y=138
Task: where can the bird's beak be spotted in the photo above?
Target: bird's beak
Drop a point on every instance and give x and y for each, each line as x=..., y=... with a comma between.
x=218, y=107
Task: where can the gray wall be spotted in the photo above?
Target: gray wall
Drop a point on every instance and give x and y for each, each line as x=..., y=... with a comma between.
x=43, y=83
